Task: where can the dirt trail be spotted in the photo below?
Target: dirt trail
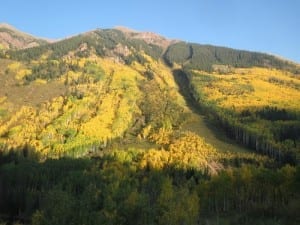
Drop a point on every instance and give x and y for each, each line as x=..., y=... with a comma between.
x=197, y=123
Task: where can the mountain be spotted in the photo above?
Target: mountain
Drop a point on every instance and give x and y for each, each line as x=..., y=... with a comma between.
x=148, y=37
x=116, y=126
x=118, y=41
x=229, y=86
x=11, y=38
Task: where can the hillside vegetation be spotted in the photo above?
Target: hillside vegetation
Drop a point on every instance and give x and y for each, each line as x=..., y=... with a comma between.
x=109, y=127
x=241, y=102
x=206, y=57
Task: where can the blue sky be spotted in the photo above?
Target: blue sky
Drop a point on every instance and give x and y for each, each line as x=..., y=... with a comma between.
x=271, y=26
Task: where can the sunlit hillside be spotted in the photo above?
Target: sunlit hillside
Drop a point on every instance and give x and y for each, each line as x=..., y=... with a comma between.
x=259, y=107
x=256, y=88
x=121, y=127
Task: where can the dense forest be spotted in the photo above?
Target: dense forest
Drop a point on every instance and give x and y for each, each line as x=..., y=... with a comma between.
x=120, y=189
x=105, y=42
x=110, y=128
x=204, y=57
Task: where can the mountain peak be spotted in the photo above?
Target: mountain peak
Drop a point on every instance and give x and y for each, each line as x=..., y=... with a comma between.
x=7, y=26
x=125, y=29
x=147, y=36
x=12, y=38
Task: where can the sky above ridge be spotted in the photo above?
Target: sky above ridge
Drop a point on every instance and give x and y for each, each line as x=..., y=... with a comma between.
x=270, y=26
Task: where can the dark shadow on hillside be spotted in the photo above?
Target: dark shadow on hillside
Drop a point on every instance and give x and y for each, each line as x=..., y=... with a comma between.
x=115, y=189
x=184, y=88
x=182, y=80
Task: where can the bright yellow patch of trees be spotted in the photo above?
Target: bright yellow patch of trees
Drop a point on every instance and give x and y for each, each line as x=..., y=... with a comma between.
x=185, y=152
x=258, y=107
x=22, y=73
x=94, y=113
x=245, y=88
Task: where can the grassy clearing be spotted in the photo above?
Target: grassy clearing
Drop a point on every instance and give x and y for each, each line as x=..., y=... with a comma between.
x=18, y=95
x=198, y=124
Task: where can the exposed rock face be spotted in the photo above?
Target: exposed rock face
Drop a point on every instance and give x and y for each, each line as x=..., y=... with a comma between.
x=152, y=38
x=148, y=37
x=122, y=50
x=9, y=41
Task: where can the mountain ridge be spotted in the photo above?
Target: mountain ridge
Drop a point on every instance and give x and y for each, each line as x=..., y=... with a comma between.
x=12, y=38
x=123, y=46
x=72, y=63
x=147, y=36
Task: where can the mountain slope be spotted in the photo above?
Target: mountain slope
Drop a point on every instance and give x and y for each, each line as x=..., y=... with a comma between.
x=11, y=38
x=148, y=37
x=116, y=126
x=117, y=72
x=120, y=42
x=211, y=58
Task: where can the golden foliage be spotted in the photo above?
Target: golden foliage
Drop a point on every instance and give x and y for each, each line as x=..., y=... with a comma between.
x=93, y=114
x=191, y=151
x=252, y=88
x=162, y=136
x=188, y=151
x=22, y=73
x=14, y=67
